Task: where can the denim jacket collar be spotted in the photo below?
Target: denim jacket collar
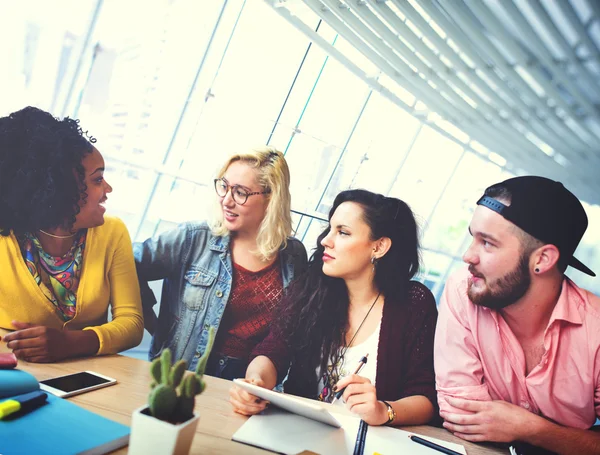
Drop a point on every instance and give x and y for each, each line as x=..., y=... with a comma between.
x=222, y=243
x=219, y=243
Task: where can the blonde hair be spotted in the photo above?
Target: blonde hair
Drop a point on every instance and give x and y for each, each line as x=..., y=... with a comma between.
x=272, y=174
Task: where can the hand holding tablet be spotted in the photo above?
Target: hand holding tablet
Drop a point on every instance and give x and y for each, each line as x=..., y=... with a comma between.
x=245, y=402
x=290, y=403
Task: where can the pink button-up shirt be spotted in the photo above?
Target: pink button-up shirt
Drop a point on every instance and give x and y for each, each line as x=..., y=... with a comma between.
x=478, y=357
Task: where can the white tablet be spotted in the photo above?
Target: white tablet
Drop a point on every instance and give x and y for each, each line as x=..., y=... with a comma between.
x=291, y=403
x=74, y=384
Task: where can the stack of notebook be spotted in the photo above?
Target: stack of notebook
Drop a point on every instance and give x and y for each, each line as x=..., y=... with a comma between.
x=58, y=427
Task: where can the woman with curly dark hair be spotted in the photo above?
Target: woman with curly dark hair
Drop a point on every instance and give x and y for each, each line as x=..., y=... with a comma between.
x=356, y=300
x=63, y=262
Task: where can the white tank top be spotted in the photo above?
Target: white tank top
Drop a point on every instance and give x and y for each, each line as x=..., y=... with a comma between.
x=349, y=363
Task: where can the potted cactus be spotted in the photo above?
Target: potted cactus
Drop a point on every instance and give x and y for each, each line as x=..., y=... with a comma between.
x=168, y=423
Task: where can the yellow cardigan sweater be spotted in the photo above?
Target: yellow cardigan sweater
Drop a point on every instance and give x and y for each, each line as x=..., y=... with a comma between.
x=108, y=277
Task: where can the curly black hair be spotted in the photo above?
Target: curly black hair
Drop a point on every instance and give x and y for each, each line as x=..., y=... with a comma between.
x=312, y=317
x=41, y=171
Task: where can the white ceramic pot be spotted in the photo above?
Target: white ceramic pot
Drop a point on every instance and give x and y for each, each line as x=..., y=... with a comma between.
x=150, y=435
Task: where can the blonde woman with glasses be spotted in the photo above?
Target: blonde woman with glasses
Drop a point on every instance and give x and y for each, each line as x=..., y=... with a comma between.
x=228, y=274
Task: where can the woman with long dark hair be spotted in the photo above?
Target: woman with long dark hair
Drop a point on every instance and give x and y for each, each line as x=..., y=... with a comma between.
x=356, y=299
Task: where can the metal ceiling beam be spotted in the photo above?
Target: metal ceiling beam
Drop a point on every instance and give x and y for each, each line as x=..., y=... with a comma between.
x=400, y=29
x=346, y=14
x=483, y=14
x=541, y=52
x=491, y=111
x=443, y=48
x=465, y=36
x=541, y=14
x=390, y=63
x=483, y=133
x=533, y=40
x=375, y=42
x=594, y=6
x=528, y=146
x=571, y=16
x=584, y=168
x=430, y=65
x=468, y=22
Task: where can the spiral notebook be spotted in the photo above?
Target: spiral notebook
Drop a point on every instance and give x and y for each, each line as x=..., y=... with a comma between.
x=283, y=432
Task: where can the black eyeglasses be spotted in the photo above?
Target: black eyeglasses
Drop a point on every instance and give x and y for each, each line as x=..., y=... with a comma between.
x=239, y=194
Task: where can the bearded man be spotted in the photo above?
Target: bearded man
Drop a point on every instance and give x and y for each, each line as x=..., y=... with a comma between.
x=517, y=348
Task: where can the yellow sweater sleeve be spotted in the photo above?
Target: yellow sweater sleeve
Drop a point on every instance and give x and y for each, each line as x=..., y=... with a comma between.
x=127, y=326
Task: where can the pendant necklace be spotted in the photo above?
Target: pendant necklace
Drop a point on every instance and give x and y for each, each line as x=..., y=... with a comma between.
x=341, y=358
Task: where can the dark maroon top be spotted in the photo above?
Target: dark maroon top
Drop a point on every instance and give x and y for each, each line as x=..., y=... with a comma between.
x=249, y=311
x=404, y=355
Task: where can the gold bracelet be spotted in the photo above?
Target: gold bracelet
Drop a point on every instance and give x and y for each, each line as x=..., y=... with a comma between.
x=390, y=411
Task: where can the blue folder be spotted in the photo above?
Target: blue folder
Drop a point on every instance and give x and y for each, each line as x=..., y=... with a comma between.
x=59, y=427
x=16, y=382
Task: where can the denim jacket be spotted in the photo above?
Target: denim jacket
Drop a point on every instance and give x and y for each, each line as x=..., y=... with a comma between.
x=197, y=272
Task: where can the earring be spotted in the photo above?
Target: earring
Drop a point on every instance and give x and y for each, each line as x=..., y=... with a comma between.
x=537, y=270
x=374, y=262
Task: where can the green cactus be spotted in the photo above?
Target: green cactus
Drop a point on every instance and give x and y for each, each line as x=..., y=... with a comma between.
x=172, y=393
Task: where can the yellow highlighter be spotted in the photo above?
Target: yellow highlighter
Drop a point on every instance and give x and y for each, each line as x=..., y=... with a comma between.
x=9, y=407
x=22, y=404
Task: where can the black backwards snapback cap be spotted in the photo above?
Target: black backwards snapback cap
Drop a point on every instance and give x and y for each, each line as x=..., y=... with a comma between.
x=546, y=210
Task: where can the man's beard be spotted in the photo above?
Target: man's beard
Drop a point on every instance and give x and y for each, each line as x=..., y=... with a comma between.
x=506, y=290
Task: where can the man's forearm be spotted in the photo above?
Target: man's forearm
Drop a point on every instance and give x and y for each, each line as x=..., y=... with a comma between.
x=563, y=440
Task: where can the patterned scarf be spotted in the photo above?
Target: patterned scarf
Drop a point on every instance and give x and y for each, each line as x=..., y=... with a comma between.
x=58, y=278
x=329, y=379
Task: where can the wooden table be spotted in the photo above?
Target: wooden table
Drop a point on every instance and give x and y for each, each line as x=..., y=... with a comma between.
x=217, y=422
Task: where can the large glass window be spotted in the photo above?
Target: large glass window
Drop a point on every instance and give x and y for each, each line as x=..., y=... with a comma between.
x=326, y=123
x=426, y=171
x=376, y=150
x=588, y=252
x=42, y=45
x=447, y=225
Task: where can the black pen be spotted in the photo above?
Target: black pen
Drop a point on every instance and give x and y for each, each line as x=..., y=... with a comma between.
x=361, y=364
x=433, y=445
x=361, y=438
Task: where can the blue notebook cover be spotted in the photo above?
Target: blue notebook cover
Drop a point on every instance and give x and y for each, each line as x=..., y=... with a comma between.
x=16, y=382
x=57, y=428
